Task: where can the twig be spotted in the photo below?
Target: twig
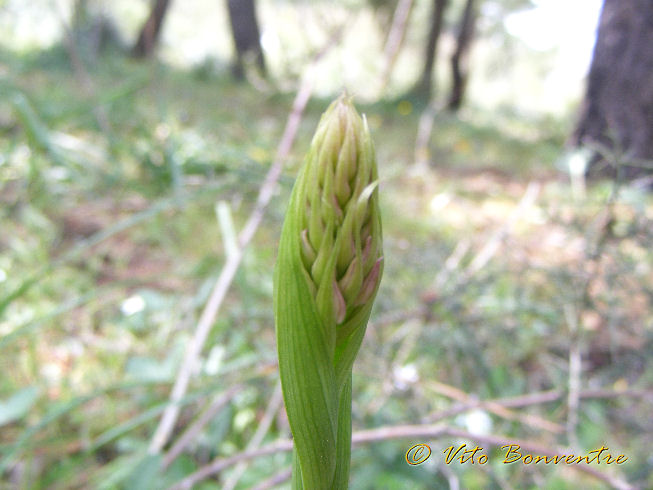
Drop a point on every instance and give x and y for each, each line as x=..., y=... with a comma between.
x=492, y=245
x=452, y=479
x=217, y=465
x=575, y=368
x=395, y=39
x=451, y=275
x=535, y=399
x=452, y=263
x=479, y=261
x=228, y=272
x=195, y=429
x=281, y=477
x=80, y=247
x=536, y=449
x=414, y=432
x=257, y=438
x=573, y=311
x=497, y=407
x=645, y=394
x=424, y=129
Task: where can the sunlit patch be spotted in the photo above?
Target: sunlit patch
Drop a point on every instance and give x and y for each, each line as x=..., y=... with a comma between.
x=476, y=422
x=22, y=155
x=132, y=305
x=243, y=419
x=404, y=107
x=374, y=121
x=162, y=131
x=439, y=202
x=591, y=320
x=270, y=42
x=462, y=146
x=214, y=361
x=57, y=173
x=404, y=376
x=3, y=275
x=620, y=385
x=258, y=154
x=577, y=161
x=51, y=372
x=403, y=244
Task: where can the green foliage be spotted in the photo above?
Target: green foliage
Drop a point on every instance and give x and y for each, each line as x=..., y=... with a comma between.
x=109, y=246
x=18, y=405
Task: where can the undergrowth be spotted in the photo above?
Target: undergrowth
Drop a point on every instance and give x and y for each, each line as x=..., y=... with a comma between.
x=110, y=244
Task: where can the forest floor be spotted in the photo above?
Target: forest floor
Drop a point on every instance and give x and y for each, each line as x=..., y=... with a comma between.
x=119, y=192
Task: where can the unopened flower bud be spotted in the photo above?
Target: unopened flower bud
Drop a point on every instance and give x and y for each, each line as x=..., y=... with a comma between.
x=328, y=272
x=341, y=227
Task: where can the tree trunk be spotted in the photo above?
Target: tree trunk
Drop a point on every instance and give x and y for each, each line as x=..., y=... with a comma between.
x=246, y=34
x=149, y=35
x=618, y=109
x=423, y=87
x=459, y=68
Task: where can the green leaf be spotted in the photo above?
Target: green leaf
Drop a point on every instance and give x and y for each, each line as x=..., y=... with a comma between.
x=307, y=374
x=18, y=405
x=144, y=475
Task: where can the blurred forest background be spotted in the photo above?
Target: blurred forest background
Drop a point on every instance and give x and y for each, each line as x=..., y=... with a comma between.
x=147, y=152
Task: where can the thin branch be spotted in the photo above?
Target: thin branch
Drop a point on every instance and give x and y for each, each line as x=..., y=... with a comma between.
x=270, y=182
x=537, y=449
x=266, y=421
x=196, y=428
x=645, y=394
x=480, y=260
x=573, y=310
x=424, y=130
x=219, y=464
x=533, y=399
x=452, y=263
x=169, y=417
x=492, y=245
x=395, y=39
x=413, y=432
x=497, y=407
x=575, y=369
x=281, y=477
x=453, y=276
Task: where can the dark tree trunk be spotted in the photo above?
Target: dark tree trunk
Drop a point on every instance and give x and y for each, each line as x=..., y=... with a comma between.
x=459, y=68
x=246, y=34
x=424, y=86
x=149, y=35
x=618, y=109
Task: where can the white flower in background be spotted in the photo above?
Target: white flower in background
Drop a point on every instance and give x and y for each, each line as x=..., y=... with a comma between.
x=476, y=422
x=214, y=361
x=132, y=305
x=404, y=376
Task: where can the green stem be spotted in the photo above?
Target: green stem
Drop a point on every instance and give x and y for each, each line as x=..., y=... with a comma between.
x=296, y=471
x=343, y=444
